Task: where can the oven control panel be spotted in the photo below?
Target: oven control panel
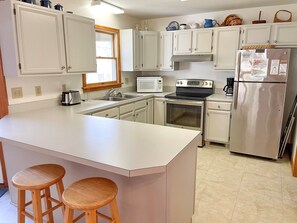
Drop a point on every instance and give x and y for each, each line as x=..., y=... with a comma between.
x=197, y=83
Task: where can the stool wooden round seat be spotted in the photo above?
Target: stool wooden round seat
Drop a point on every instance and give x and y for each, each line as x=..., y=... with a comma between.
x=88, y=195
x=38, y=179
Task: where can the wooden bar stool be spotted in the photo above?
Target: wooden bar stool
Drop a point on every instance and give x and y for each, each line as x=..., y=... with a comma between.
x=88, y=195
x=36, y=179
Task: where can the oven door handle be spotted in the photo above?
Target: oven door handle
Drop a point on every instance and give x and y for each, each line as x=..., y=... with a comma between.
x=184, y=102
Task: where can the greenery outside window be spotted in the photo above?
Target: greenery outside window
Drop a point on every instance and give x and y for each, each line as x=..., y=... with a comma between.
x=108, y=61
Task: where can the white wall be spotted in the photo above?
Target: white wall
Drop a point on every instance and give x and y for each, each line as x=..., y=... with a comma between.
x=52, y=85
x=205, y=70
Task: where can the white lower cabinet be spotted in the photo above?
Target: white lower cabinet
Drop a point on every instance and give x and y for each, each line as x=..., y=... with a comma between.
x=159, y=111
x=109, y=113
x=128, y=116
x=217, y=126
x=140, y=115
x=135, y=112
x=150, y=111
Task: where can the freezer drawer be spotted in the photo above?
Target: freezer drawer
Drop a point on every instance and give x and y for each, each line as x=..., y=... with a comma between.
x=257, y=115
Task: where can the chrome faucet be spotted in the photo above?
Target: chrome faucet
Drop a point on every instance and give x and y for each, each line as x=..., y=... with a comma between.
x=110, y=92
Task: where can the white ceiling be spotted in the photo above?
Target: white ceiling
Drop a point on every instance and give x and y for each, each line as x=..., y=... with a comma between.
x=165, y=8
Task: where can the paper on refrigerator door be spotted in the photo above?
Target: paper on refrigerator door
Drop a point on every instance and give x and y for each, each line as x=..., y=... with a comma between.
x=259, y=67
x=274, y=67
x=283, y=69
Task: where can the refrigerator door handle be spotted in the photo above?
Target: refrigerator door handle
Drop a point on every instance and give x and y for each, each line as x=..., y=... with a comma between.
x=236, y=86
x=237, y=70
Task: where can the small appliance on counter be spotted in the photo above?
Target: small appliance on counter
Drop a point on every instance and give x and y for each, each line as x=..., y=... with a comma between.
x=229, y=87
x=149, y=84
x=70, y=98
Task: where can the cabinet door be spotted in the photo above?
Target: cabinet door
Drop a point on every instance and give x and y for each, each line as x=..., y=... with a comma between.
x=256, y=34
x=166, y=50
x=140, y=115
x=110, y=113
x=217, y=126
x=285, y=34
x=202, y=41
x=128, y=116
x=136, y=50
x=182, y=43
x=149, y=50
x=150, y=111
x=225, y=47
x=80, y=44
x=159, y=111
x=40, y=40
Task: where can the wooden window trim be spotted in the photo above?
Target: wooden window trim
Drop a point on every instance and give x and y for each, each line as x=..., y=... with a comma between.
x=3, y=112
x=112, y=84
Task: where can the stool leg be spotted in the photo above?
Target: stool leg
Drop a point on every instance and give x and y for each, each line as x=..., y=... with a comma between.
x=91, y=216
x=48, y=204
x=21, y=205
x=114, y=211
x=37, y=209
x=60, y=190
x=68, y=215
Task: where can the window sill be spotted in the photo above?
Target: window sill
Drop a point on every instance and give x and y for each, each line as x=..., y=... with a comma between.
x=103, y=86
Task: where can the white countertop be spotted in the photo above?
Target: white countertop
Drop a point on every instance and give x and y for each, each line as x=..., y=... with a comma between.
x=219, y=97
x=122, y=147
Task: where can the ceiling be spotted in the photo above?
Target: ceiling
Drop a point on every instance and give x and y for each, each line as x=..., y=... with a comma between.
x=166, y=8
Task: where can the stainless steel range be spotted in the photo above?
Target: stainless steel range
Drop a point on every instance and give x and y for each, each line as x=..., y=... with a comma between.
x=185, y=107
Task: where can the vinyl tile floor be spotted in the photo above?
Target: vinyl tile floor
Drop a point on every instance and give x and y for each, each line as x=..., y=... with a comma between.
x=230, y=188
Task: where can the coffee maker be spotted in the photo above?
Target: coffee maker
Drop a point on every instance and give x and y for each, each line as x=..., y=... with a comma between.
x=229, y=87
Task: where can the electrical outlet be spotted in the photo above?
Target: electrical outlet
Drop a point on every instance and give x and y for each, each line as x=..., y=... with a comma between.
x=126, y=80
x=17, y=92
x=38, y=91
x=63, y=87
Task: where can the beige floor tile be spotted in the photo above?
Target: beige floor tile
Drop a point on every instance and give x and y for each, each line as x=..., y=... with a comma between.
x=289, y=186
x=214, y=202
x=263, y=167
x=262, y=185
x=257, y=208
x=290, y=211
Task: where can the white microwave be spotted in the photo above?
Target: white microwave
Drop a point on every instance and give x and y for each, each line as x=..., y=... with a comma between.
x=149, y=84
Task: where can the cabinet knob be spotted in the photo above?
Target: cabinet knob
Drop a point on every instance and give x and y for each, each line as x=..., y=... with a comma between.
x=63, y=67
x=106, y=115
x=275, y=41
x=190, y=49
x=268, y=41
x=69, y=67
x=171, y=66
x=195, y=49
x=219, y=106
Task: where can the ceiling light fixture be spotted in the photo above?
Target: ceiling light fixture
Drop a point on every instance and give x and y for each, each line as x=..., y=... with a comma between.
x=107, y=7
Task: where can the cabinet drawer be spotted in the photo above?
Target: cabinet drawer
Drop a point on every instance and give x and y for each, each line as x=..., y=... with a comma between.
x=219, y=105
x=126, y=108
x=140, y=104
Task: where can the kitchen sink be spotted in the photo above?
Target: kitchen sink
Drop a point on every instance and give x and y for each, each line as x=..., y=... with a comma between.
x=118, y=98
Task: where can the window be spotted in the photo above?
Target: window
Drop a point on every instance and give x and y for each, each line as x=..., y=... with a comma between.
x=108, y=61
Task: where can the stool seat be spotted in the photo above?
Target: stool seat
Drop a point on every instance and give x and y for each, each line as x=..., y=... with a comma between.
x=38, y=177
x=90, y=193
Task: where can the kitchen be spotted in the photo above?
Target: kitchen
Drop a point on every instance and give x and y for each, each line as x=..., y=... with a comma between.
x=52, y=88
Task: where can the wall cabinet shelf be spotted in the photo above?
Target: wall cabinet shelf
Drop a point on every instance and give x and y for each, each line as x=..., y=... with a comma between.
x=33, y=41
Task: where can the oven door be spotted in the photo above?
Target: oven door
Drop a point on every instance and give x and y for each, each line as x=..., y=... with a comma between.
x=184, y=114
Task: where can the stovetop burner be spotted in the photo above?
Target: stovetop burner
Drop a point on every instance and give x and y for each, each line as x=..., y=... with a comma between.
x=192, y=89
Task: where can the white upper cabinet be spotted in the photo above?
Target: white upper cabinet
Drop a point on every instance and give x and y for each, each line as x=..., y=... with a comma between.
x=33, y=42
x=202, y=41
x=80, y=43
x=226, y=44
x=182, y=42
x=256, y=34
x=166, y=51
x=40, y=40
x=149, y=50
x=192, y=42
x=285, y=34
x=130, y=50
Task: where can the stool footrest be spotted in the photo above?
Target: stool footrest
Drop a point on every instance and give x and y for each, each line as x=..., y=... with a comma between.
x=104, y=216
x=27, y=215
x=51, y=209
x=79, y=217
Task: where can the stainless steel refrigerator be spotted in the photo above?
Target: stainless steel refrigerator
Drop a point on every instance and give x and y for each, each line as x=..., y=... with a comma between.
x=259, y=110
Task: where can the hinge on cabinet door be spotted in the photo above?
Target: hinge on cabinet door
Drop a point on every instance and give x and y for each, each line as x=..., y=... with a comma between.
x=212, y=32
x=20, y=66
x=14, y=11
x=146, y=103
x=211, y=47
x=141, y=36
x=142, y=64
